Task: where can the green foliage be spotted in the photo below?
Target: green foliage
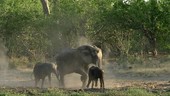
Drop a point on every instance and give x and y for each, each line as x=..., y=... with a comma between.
x=112, y=92
x=165, y=94
x=79, y=94
x=135, y=16
x=18, y=25
x=129, y=92
x=123, y=26
x=138, y=92
x=11, y=94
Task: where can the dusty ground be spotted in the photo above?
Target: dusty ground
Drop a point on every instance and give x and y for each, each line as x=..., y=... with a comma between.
x=114, y=78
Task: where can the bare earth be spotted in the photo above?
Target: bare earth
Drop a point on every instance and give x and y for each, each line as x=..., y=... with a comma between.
x=23, y=78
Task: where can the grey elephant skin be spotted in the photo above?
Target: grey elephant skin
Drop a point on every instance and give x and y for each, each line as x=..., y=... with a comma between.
x=94, y=74
x=76, y=61
x=41, y=70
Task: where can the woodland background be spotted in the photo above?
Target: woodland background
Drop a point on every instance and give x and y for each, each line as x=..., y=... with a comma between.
x=128, y=30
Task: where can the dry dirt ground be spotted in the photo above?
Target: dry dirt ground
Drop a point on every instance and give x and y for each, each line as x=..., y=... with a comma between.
x=113, y=79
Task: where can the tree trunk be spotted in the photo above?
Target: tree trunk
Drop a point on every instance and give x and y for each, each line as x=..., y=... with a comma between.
x=153, y=46
x=45, y=7
x=152, y=40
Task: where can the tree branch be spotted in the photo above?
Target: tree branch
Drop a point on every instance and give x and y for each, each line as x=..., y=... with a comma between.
x=45, y=7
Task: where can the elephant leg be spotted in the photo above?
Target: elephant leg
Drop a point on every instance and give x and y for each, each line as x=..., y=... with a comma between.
x=102, y=80
x=61, y=81
x=92, y=84
x=36, y=81
x=49, y=78
x=89, y=81
x=57, y=74
x=83, y=78
x=60, y=75
x=42, y=84
x=101, y=83
x=96, y=82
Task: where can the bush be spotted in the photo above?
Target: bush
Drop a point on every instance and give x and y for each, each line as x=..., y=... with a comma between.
x=138, y=92
x=16, y=62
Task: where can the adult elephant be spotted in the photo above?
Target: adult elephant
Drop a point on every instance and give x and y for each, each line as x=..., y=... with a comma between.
x=76, y=61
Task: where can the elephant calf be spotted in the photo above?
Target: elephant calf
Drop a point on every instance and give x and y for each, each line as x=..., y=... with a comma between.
x=41, y=70
x=96, y=73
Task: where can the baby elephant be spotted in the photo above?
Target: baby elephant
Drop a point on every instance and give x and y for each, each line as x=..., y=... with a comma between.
x=41, y=70
x=95, y=73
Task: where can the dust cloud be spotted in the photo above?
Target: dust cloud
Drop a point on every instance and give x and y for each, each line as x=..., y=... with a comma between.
x=24, y=77
x=10, y=77
x=73, y=80
x=3, y=64
x=83, y=41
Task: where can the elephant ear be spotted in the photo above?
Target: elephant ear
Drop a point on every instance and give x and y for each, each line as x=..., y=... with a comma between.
x=84, y=50
x=89, y=52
